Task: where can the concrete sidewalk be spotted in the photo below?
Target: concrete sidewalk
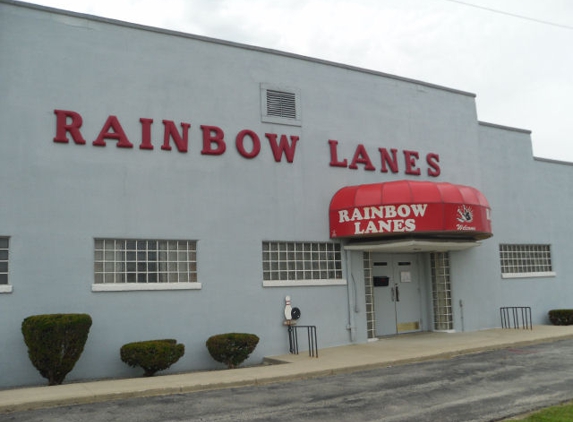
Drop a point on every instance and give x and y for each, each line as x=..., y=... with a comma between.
x=385, y=352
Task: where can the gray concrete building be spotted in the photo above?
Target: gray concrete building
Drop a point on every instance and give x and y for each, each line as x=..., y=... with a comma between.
x=177, y=186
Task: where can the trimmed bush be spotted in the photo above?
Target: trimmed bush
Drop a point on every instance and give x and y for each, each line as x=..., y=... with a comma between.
x=561, y=316
x=55, y=343
x=152, y=355
x=232, y=349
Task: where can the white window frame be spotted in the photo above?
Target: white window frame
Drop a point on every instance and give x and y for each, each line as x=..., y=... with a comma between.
x=6, y=288
x=266, y=118
x=294, y=261
x=514, y=258
x=113, y=266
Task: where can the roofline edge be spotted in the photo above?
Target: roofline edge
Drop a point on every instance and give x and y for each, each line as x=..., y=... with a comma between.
x=231, y=44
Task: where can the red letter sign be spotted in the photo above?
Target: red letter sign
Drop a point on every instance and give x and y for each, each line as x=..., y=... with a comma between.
x=434, y=168
x=390, y=160
x=282, y=147
x=361, y=157
x=171, y=132
x=63, y=127
x=411, y=157
x=146, y=133
x=117, y=134
x=210, y=138
x=334, y=155
x=239, y=142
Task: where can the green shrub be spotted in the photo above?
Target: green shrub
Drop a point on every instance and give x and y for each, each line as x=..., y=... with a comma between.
x=561, y=316
x=152, y=355
x=55, y=343
x=232, y=349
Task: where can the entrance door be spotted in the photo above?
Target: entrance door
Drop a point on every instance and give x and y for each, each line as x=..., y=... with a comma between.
x=396, y=293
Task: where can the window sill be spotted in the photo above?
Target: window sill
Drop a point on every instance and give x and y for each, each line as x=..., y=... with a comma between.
x=304, y=283
x=281, y=120
x=529, y=275
x=136, y=287
x=5, y=288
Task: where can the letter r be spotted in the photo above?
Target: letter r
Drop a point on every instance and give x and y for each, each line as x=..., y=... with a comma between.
x=73, y=127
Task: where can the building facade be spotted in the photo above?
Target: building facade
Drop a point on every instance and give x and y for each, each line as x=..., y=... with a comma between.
x=177, y=186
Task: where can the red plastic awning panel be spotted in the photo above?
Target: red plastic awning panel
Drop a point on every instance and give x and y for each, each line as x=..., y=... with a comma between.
x=409, y=207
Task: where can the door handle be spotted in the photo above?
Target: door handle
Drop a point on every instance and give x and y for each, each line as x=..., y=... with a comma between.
x=397, y=294
x=393, y=294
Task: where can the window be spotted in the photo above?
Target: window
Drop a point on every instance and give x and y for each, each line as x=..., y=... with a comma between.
x=128, y=264
x=302, y=264
x=441, y=291
x=280, y=105
x=4, y=286
x=369, y=291
x=525, y=261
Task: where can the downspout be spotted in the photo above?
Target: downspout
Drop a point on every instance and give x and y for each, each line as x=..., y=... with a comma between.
x=352, y=302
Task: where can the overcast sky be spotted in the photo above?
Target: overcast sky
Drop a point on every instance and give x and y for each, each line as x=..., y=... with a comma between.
x=516, y=55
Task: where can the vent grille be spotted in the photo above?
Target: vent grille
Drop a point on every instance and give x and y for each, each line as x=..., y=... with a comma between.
x=281, y=104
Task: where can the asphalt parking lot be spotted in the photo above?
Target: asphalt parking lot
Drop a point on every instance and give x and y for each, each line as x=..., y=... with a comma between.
x=486, y=386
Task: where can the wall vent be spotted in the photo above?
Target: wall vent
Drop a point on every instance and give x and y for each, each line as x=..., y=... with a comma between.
x=280, y=105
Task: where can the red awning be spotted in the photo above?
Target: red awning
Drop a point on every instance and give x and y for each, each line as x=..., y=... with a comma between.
x=410, y=208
